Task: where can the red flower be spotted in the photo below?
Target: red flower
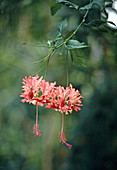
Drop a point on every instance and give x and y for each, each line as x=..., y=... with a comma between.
x=65, y=100
x=36, y=90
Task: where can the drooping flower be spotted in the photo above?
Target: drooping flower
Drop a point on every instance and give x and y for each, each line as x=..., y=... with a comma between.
x=36, y=90
x=31, y=89
x=65, y=100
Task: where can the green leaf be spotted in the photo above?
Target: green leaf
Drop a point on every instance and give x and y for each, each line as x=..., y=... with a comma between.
x=86, y=7
x=98, y=2
x=63, y=25
x=59, y=37
x=73, y=44
x=107, y=29
x=110, y=22
x=67, y=3
x=49, y=42
x=77, y=57
x=55, y=7
x=97, y=23
x=108, y=4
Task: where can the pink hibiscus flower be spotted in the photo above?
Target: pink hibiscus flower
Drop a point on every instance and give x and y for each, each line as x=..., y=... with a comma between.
x=65, y=100
x=36, y=90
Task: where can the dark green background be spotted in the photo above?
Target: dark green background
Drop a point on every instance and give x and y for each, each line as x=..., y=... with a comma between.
x=93, y=130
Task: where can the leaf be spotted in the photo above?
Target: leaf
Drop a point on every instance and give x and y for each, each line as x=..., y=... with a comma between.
x=63, y=25
x=77, y=57
x=97, y=23
x=59, y=37
x=67, y=3
x=55, y=7
x=49, y=42
x=73, y=44
x=52, y=44
x=86, y=7
x=110, y=22
x=108, y=4
x=104, y=28
x=108, y=29
x=98, y=2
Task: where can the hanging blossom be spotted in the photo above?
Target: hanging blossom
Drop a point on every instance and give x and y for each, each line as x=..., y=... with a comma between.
x=65, y=100
x=38, y=92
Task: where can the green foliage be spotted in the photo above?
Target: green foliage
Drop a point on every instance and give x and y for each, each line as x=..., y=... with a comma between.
x=97, y=23
x=57, y=5
x=89, y=20
x=68, y=3
x=92, y=131
x=73, y=44
x=77, y=57
x=96, y=132
x=90, y=5
x=62, y=25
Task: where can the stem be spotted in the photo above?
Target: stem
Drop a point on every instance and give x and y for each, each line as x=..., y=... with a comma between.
x=27, y=43
x=36, y=114
x=63, y=43
x=62, y=121
x=47, y=59
x=38, y=71
x=35, y=62
x=67, y=70
x=77, y=27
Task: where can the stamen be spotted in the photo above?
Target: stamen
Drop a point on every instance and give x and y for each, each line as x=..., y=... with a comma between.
x=63, y=139
x=36, y=130
x=62, y=135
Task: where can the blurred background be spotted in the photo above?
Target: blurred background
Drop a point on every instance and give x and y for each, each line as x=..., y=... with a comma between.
x=93, y=130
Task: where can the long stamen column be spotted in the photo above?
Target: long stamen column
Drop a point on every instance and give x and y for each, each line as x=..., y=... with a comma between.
x=62, y=135
x=36, y=130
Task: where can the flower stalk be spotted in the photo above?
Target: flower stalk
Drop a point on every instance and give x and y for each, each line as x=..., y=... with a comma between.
x=54, y=48
x=36, y=130
x=42, y=93
x=62, y=135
